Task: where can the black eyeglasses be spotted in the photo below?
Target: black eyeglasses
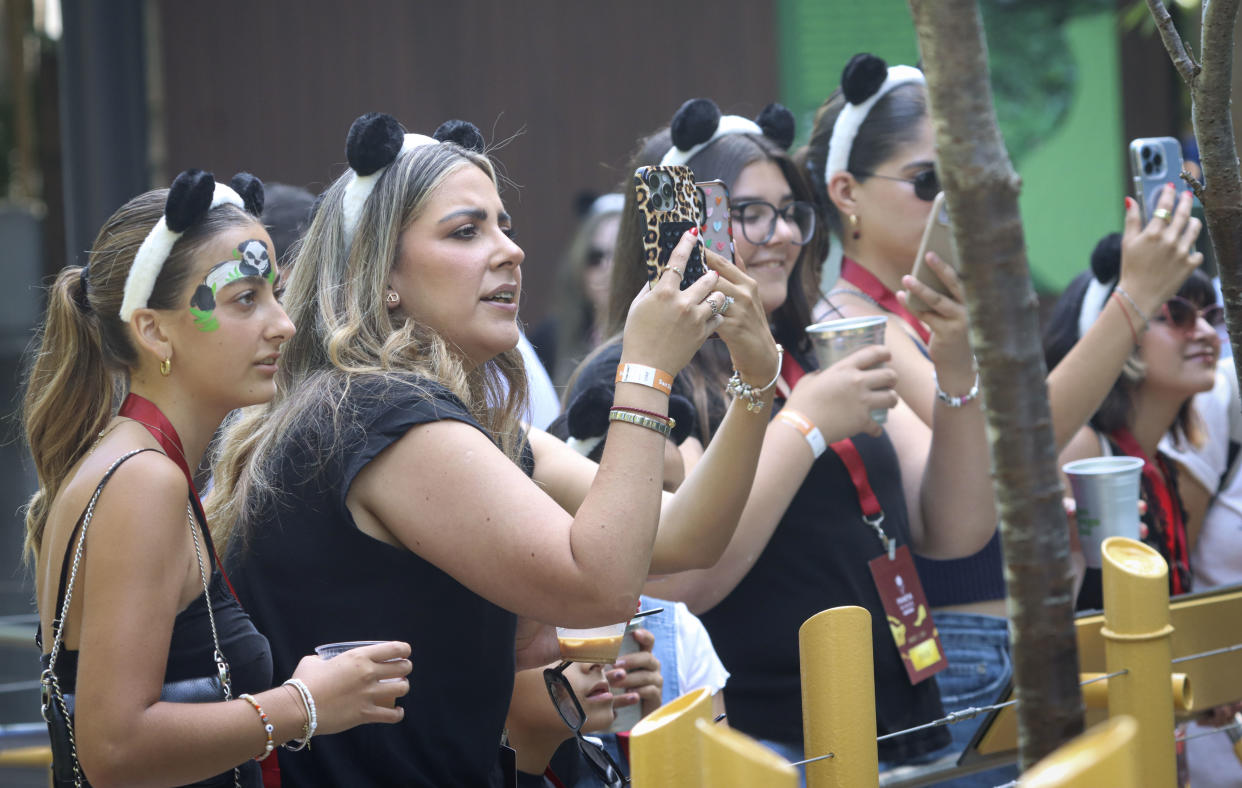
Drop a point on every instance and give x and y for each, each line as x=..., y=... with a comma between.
x=758, y=220
x=1184, y=315
x=567, y=705
x=926, y=182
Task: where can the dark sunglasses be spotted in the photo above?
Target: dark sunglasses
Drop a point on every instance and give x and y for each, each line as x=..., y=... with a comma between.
x=1183, y=314
x=926, y=182
x=567, y=705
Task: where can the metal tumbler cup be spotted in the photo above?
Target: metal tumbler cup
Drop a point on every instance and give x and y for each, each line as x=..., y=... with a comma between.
x=1106, y=492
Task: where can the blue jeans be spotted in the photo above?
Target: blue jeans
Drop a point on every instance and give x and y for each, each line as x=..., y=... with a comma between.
x=977, y=647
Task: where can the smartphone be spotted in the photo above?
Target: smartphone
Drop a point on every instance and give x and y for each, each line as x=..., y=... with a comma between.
x=1154, y=161
x=716, y=222
x=938, y=238
x=668, y=202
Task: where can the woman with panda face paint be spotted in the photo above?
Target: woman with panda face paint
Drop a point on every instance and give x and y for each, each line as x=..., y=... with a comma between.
x=141, y=630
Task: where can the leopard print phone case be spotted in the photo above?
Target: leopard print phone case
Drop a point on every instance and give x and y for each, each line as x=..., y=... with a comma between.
x=668, y=202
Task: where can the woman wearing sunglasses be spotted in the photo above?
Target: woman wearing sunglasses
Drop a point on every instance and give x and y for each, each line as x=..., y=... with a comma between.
x=1174, y=359
x=871, y=159
x=802, y=544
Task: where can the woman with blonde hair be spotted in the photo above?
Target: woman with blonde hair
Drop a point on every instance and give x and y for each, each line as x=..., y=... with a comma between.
x=150, y=661
x=389, y=487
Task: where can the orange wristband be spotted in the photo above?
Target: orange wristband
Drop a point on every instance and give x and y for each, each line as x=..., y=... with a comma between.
x=814, y=438
x=644, y=375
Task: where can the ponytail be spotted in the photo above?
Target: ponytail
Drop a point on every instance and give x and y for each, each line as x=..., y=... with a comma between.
x=69, y=395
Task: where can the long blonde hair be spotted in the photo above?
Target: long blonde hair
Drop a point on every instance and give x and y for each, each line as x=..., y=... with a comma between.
x=83, y=351
x=336, y=300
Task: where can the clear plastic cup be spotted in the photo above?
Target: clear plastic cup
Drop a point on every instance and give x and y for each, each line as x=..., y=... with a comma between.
x=1106, y=494
x=596, y=644
x=833, y=340
x=330, y=650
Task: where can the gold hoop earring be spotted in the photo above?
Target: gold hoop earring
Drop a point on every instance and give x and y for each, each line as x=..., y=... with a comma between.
x=854, y=226
x=166, y=366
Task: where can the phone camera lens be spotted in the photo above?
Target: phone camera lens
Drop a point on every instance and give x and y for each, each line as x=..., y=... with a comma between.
x=1146, y=153
x=1157, y=159
x=1147, y=168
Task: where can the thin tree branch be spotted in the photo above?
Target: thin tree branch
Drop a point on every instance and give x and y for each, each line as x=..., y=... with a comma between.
x=1182, y=60
x=1193, y=184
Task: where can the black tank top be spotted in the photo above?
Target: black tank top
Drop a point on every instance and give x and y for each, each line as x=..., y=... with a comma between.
x=191, y=649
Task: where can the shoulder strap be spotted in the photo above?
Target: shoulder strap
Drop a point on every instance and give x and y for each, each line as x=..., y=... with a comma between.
x=64, y=590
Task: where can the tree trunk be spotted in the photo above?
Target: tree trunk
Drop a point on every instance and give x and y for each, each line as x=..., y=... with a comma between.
x=981, y=189
x=1210, y=84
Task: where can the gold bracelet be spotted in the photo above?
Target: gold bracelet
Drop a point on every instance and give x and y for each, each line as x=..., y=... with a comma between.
x=640, y=420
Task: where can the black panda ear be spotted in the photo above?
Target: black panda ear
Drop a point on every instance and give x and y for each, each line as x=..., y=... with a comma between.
x=250, y=189
x=862, y=77
x=189, y=198
x=373, y=142
x=694, y=122
x=587, y=414
x=583, y=201
x=683, y=413
x=777, y=123
x=1106, y=258
x=462, y=132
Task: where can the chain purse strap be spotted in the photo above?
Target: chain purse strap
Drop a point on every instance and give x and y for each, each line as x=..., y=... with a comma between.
x=51, y=684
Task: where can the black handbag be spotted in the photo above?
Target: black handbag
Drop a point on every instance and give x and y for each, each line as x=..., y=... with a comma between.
x=58, y=706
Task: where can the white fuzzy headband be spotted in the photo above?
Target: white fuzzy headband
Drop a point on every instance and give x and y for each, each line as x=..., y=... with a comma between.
x=375, y=141
x=698, y=123
x=190, y=197
x=864, y=82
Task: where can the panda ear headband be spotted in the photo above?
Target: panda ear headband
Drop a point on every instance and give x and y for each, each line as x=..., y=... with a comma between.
x=698, y=123
x=375, y=141
x=1105, y=270
x=864, y=81
x=192, y=195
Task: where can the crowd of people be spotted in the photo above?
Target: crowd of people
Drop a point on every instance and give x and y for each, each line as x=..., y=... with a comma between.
x=358, y=399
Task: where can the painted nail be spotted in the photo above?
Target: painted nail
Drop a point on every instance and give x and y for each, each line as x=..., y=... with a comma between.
x=620, y=663
x=694, y=231
x=1128, y=203
x=617, y=675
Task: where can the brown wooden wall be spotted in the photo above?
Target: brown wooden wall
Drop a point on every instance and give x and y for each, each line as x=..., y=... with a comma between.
x=273, y=86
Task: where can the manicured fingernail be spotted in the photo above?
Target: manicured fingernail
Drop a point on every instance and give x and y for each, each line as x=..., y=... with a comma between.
x=694, y=231
x=617, y=675
x=1129, y=203
x=620, y=663
x=1169, y=185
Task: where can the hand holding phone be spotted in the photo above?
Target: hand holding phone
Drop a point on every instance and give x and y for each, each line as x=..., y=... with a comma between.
x=668, y=201
x=1154, y=162
x=938, y=238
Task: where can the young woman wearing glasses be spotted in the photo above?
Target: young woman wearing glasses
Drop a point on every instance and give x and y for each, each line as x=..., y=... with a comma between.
x=872, y=158
x=802, y=545
x=1175, y=359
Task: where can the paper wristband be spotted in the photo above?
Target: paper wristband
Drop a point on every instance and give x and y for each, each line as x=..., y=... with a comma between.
x=644, y=375
x=814, y=438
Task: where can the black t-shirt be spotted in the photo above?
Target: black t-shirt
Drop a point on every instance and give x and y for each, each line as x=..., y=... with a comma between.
x=816, y=559
x=308, y=576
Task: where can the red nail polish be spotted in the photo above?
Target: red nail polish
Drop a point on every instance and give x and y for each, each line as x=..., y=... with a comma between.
x=694, y=231
x=1128, y=203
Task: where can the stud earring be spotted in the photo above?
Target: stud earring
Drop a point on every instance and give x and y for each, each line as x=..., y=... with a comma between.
x=854, y=226
x=392, y=298
x=166, y=366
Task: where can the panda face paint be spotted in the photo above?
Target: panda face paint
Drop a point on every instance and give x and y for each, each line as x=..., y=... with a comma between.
x=249, y=260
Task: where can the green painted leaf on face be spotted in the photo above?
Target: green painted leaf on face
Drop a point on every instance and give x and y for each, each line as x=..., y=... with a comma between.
x=205, y=321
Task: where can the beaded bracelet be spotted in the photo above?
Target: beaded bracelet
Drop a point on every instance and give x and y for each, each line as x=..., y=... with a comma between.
x=267, y=726
x=814, y=438
x=669, y=420
x=312, y=716
x=956, y=402
x=754, y=396
x=642, y=421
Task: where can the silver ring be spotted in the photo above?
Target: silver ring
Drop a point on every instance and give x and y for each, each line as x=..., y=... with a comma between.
x=712, y=303
x=680, y=275
x=728, y=302
x=1163, y=213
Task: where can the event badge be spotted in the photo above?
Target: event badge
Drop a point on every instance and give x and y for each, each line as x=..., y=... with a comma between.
x=909, y=617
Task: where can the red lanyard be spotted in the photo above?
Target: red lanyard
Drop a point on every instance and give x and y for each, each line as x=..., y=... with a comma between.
x=552, y=778
x=1171, y=512
x=867, y=282
x=148, y=414
x=868, y=501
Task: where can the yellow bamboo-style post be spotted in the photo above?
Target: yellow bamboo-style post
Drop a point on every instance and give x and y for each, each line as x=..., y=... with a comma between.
x=838, y=699
x=664, y=747
x=1095, y=694
x=731, y=759
x=1138, y=639
x=1104, y=757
